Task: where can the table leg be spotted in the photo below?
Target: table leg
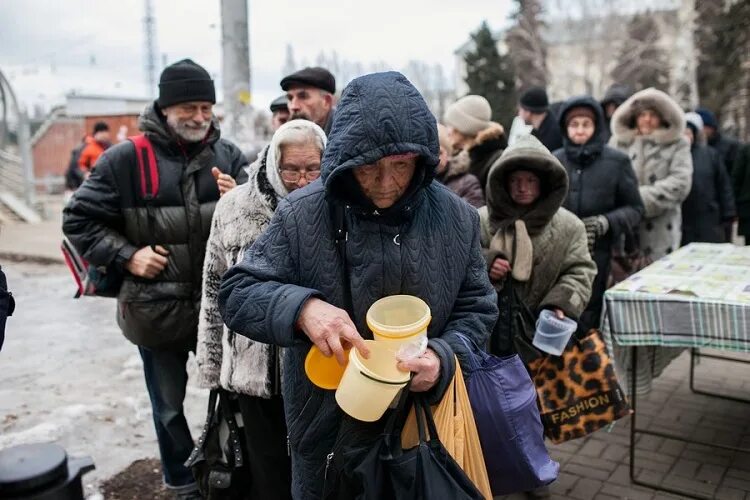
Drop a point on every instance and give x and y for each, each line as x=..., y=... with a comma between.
x=694, y=355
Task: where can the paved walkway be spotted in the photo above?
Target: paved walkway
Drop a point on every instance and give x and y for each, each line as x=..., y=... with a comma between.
x=36, y=242
x=598, y=467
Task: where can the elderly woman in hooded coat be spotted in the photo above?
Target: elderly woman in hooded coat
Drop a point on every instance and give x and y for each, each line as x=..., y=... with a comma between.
x=603, y=191
x=529, y=239
x=649, y=128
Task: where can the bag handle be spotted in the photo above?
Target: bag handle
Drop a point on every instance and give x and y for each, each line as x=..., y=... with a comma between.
x=197, y=454
x=475, y=354
x=434, y=437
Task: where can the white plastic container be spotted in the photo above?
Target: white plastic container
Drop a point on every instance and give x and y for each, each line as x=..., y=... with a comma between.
x=401, y=321
x=552, y=334
x=369, y=385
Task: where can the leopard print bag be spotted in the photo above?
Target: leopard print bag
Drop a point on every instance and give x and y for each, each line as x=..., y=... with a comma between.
x=578, y=392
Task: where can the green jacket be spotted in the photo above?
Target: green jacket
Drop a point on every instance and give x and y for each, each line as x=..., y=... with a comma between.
x=562, y=270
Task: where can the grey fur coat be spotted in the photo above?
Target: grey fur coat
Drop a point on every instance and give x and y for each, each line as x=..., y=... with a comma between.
x=234, y=362
x=662, y=164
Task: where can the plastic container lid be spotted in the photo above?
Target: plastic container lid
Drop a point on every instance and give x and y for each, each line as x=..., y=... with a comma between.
x=29, y=467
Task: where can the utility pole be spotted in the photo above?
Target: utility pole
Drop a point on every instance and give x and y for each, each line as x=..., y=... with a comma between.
x=149, y=32
x=235, y=52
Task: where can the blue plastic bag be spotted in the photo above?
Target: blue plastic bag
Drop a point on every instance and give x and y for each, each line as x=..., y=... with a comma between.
x=503, y=399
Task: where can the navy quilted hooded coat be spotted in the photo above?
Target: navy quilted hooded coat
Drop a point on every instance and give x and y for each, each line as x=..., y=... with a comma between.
x=426, y=245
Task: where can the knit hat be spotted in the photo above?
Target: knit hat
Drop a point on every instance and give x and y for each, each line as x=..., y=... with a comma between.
x=580, y=111
x=279, y=104
x=709, y=119
x=469, y=115
x=185, y=81
x=320, y=78
x=694, y=121
x=535, y=100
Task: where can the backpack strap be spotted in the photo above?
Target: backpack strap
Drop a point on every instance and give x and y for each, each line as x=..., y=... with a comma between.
x=148, y=174
x=148, y=171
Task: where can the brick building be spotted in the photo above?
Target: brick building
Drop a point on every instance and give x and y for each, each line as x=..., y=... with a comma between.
x=66, y=126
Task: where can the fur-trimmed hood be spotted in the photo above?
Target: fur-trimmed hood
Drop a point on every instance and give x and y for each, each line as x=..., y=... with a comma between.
x=624, y=129
x=458, y=165
x=494, y=131
x=527, y=153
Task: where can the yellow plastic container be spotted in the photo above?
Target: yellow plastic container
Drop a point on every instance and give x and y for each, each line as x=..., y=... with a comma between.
x=399, y=320
x=325, y=372
x=369, y=385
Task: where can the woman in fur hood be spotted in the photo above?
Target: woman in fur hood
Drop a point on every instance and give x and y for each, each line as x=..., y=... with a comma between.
x=649, y=128
x=234, y=362
x=471, y=130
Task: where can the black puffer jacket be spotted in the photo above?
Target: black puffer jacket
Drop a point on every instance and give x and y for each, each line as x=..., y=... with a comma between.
x=710, y=203
x=107, y=222
x=602, y=182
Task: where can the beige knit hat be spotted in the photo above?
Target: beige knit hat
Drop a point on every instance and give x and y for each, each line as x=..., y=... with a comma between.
x=469, y=115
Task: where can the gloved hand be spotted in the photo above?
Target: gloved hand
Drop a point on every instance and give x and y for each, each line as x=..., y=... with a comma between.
x=596, y=227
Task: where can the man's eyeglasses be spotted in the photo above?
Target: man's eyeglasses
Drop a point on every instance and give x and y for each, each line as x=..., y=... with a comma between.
x=296, y=175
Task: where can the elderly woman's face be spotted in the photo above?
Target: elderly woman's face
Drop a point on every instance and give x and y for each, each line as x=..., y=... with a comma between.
x=524, y=187
x=648, y=120
x=385, y=181
x=299, y=165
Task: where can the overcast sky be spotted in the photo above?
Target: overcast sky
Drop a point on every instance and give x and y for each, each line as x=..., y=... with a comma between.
x=49, y=47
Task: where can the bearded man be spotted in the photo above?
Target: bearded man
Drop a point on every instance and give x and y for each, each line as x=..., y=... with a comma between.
x=157, y=243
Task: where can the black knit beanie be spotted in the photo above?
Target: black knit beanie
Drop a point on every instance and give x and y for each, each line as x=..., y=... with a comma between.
x=185, y=81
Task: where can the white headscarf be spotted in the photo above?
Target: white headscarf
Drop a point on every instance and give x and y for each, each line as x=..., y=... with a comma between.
x=289, y=133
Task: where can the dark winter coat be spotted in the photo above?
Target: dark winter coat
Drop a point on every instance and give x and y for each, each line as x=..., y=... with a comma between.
x=741, y=186
x=601, y=182
x=7, y=305
x=548, y=132
x=107, y=221
x=485, y=152
x=710, y=203
x=727, y=147
x=461, y=182
x=427, y=245
x=73, y=175
x=662, y=165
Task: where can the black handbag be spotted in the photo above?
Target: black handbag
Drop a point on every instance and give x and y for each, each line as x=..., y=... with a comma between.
x=217, y=461
x=424, y=472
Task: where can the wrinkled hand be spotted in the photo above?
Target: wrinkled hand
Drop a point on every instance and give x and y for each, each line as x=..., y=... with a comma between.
x=500, y=268
x=596, y=227
x=331, y=329
x=146, y=263
x=225, y=182
x=426, y=370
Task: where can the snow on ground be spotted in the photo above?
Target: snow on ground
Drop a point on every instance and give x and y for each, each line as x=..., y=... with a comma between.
x=67, y=375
